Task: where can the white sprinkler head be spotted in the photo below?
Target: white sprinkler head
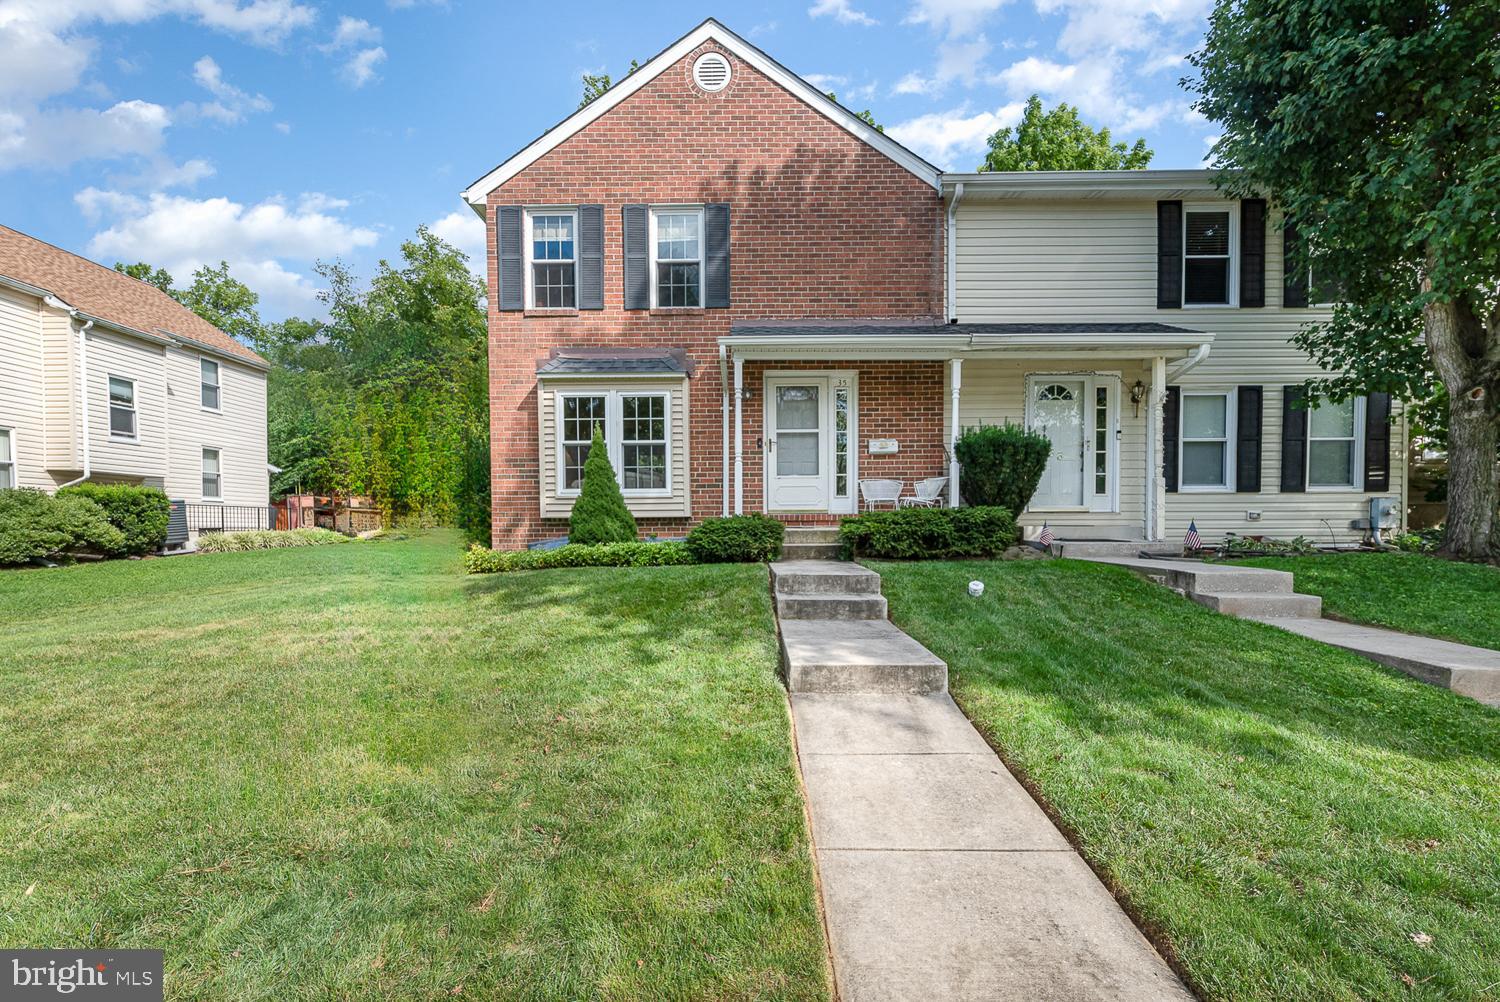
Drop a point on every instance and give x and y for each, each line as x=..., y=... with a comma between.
x=976, y=588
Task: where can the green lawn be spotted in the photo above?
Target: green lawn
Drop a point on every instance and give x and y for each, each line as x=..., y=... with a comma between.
x=352, y=772
x=1402, y=591
x=1294, y=821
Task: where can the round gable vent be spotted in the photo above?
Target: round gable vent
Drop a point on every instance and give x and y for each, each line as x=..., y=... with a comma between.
x=711, y=72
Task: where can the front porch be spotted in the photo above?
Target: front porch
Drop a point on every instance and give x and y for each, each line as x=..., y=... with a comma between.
x=817, y=408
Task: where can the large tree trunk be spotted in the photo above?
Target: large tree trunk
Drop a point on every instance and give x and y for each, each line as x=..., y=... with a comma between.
x=1465, y=353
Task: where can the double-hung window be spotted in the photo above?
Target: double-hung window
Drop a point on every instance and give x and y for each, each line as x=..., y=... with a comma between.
x=121, y=408
x=677, y=258
x=1208, y=262
x=637, y=432
x=1207, y=430
x=213, y=476
x=1333, y=444
x=7, y=459
x=552, y=248
x=208, y=390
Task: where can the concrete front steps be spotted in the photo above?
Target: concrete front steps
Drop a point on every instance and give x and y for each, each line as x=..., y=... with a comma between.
x=835, y=637
x=1246, y=592
x=811, y=543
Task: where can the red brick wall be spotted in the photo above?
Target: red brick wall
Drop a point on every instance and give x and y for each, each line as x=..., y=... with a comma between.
x=821, y=225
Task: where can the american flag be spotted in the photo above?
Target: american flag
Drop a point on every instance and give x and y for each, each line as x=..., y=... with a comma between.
x=1192, y=541
x=1046, y=537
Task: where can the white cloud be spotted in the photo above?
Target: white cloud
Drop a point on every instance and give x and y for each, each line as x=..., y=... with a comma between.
x=825, y=81
x=948, y=137
x=231, y=104
x=962, y=47
x=915, y=83
x=1094, y=86
x=953, y=17
x=55, y=139
x=285, y=128
x=465, y=231
x=1119, y=25
x=38, y=63
x=841, y=12
x=352, y=31
x=360, y=69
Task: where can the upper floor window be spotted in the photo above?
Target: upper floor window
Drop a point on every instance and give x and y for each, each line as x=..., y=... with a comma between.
x=209, y=383
x=121, y=407
x=1208, y=264
x=552, y=262
x=1333, y=442
x=677, y=257
x=7, y=459
x=213, y=476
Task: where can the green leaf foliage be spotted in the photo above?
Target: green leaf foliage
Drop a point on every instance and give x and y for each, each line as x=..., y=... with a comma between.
x=268, y=539
x=1001, y=465
x=1060, y=140
x=140, y=513
x=738, y=539
x=479, y=560
x=35, y=525
x=929, y=533
x=599, y=514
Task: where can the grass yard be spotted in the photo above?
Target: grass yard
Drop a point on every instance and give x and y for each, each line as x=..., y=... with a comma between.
x=1294, y=821
x=1402, y=591
x=352, y=772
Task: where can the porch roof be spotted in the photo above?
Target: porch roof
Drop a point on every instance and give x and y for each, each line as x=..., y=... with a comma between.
x=933, y=340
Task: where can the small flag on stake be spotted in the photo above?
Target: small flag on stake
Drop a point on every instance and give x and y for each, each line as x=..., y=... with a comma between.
x=1046, y=537
x=1192, y=542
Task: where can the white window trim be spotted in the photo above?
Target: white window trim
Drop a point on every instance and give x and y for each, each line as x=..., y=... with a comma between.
x=1233, y=209
x=528, y=245
x=109, y=410
x=657, y=210
x=1357, y=461
x=1231, y=436
x=614, y=433
x=206, y=499
x=8, y=457
x=217, y=384
x=1096, y=504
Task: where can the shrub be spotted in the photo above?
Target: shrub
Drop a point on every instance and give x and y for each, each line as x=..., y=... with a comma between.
x=140, y=513
x=479, y=560
x=267, y=539
x=599, y=515
x=36, y=525
x=929, y=533
x=739, y=539
x=1001, y=465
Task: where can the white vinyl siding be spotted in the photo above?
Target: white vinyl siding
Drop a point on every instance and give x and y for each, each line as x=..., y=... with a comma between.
x=237, y=430
x=22, y=388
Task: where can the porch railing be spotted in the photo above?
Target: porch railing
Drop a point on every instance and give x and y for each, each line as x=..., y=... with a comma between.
x=228, y=517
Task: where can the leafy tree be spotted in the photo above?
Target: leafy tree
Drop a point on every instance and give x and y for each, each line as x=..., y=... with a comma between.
x=599, y=515
x=158, y=277
x=1376, y=126
x=1060, y=140
x=866, y=116
x=595, y=84
x=223, y=301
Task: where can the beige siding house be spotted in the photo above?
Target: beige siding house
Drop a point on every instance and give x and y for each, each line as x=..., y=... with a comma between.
x=107, y=379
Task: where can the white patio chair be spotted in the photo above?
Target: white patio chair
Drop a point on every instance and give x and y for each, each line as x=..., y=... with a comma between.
x=929, y=493
x=877, y=492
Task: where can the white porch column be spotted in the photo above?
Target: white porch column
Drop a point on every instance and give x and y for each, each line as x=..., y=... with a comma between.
x=955, y=379
x=1156, y=484
x=739, y=435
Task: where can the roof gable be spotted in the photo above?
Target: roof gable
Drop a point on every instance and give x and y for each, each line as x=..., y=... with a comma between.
x=710, y=30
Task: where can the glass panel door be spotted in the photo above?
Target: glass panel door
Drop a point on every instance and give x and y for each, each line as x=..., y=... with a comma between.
x=798, y=446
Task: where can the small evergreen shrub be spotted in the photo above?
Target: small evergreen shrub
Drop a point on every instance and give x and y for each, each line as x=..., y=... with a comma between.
x=599, y=515
x=929, y=533
x=140, y=513
x=1001, y=465
x=267, y=539
x=36, y=525
x=739, y=539
x=479, y=560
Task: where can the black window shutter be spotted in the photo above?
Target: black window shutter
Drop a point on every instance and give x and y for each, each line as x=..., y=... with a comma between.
x=591, y=257
x=1253, y=252
x=637, y=258
x=1247, y=440
x=511, y=270
x=1294, y=268
x=1171, y=421
x=1168, y=255
x=1378, y=442
x=1293, y=440
x=716, y=256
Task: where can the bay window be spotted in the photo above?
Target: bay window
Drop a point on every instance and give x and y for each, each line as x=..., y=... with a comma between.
x=637, y=432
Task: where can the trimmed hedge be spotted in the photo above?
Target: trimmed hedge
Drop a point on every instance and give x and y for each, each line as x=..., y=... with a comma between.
x=479, y=560
x=738, y=539
x=140, y=513
x=599, y=515
x=1001, y=465
x=929, y=533
x=267, y=539
x=35, y=525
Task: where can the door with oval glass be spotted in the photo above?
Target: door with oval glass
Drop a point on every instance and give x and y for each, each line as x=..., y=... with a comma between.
x=1057, y=411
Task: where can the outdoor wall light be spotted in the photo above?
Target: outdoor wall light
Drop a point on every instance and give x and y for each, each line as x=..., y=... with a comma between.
x=1137, y=394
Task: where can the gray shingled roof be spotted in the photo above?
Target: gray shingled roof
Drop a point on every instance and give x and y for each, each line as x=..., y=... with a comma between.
x=615, y=363
x=917, y=330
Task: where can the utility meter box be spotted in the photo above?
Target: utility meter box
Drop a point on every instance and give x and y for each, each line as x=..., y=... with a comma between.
x=1384, y=513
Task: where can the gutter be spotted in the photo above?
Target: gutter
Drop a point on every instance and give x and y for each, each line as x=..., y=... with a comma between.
x=83, y=379
x=950, y=257
x=1187, y=365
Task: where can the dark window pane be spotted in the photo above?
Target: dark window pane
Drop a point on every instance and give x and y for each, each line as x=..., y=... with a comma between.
x=553, y=287
x=1207, y=233
x=644, y=467
x=1207, y=281
x=677, y=285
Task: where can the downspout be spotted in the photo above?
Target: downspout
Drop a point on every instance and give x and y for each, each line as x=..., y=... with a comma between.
x=951, y=252
x=724, y=415
x=83, y=381
x=1188, y=364
x=739, y=435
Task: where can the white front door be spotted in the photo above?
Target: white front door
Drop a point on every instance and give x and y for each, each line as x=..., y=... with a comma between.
x=797, y=443
x=1058, y=410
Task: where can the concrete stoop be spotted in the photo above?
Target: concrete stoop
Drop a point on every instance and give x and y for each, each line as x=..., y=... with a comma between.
x=1084, y=549
x=1246, y=592
x=818, y=542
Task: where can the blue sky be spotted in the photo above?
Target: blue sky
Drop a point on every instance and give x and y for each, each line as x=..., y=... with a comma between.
x=272, y=133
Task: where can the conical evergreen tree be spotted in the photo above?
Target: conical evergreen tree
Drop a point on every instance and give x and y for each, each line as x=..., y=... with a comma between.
x=599, y=514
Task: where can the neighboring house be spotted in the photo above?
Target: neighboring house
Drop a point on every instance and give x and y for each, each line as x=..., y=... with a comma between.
x=108, y=379
x=752, y=291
